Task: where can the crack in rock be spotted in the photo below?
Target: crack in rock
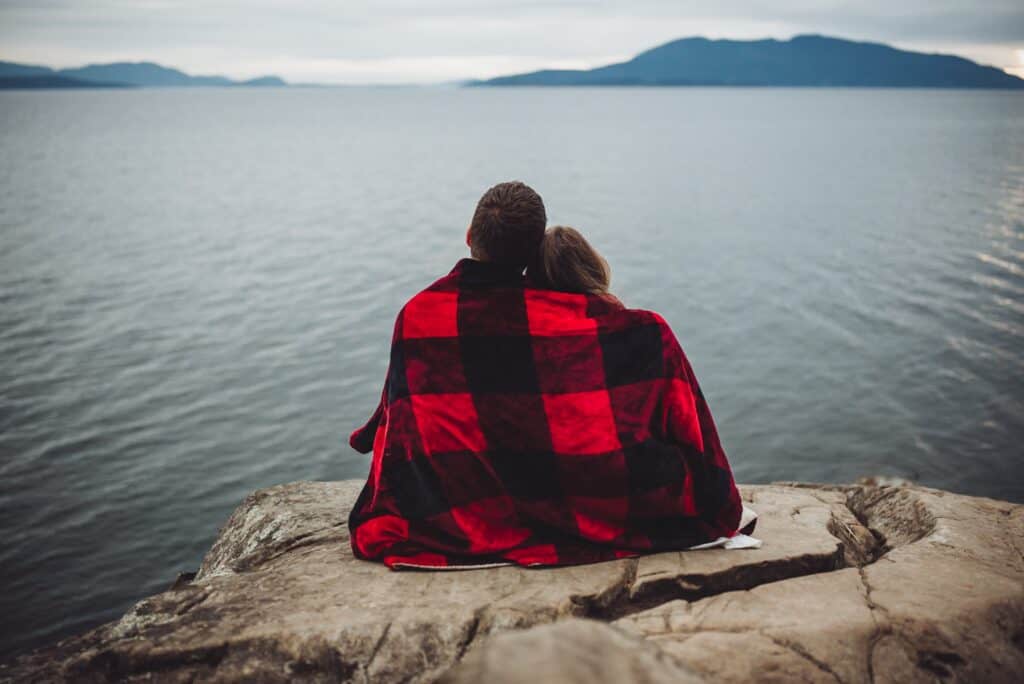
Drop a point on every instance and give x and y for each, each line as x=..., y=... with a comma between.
x=471, y=632
x=374, y=651
x=192, y=602
x=739, y=578
x=881, y=628
x=803, y=653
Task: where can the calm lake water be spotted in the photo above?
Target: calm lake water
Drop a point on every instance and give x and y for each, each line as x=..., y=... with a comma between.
x=197, y=290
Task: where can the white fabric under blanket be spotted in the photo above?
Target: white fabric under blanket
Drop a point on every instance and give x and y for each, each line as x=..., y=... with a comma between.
x=738, y=540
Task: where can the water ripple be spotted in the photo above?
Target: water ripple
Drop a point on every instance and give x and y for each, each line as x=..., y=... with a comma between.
x=198, y=301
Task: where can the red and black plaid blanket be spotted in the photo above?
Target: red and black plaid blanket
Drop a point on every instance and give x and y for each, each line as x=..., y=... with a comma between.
x=536, y=427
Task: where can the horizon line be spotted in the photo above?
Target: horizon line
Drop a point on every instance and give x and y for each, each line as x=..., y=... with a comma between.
x=1016, y=71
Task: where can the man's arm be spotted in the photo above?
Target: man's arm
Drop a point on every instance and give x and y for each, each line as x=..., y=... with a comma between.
x=362, y=438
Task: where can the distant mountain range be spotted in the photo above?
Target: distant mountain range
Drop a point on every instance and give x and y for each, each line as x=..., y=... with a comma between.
x=116, y=75
x=804, y=61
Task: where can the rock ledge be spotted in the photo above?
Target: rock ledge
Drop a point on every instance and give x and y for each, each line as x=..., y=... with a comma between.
x=854, y=583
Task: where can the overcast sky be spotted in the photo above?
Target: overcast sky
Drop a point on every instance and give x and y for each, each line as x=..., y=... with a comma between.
x=422, y=41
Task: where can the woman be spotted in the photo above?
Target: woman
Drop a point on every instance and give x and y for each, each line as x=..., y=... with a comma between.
x=568, y=263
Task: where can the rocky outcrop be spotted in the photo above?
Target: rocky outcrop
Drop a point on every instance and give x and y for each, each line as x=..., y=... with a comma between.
x=857, y=583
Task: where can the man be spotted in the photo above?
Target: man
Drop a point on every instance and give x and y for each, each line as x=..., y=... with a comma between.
x=528, y=426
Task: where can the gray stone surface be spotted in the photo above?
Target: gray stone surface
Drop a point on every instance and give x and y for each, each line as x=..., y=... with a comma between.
x=855, y=583
x=945, y=601
x=572, y=651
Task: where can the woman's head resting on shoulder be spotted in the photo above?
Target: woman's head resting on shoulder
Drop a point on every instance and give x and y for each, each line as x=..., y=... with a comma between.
x=568, y=263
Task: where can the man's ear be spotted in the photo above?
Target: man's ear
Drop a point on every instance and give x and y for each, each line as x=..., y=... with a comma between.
x=468, y=241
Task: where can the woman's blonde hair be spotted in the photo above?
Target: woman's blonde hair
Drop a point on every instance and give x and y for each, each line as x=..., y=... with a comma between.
x=568, y=263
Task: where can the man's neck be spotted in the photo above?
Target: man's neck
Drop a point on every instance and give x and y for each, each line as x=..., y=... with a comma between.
x=478, y=270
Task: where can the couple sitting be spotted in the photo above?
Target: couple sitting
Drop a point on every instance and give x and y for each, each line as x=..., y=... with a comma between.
x=534, y=419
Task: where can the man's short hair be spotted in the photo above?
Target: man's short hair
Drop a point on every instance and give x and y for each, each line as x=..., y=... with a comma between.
x=508, y=224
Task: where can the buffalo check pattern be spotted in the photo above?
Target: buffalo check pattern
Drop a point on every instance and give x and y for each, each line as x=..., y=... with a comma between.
x=520, y=425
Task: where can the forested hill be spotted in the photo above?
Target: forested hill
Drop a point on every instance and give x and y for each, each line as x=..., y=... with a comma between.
x=803, y=61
